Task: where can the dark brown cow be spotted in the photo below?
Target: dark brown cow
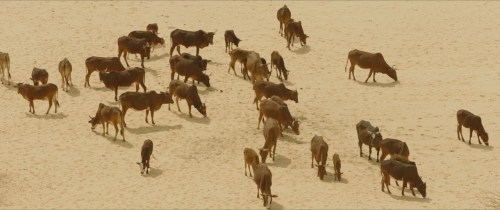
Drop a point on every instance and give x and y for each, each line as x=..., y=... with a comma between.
x=319, y=152
x=146, y=152
x=237, y=55
x=251, y=159
x=113, y=79
x=269, y=89
x=230, y=38
x=473, y=122
x=198, y=39
x=401, y=171
x=5, y=65
x=368, y=135
x=202, y=63
x=65, y=69
x=393, y=146
x=191, y=69
x=198, y=58
x=150, y=36
x=284, y=15
x=127, y=44
x=152, y=27
x=257, y=67
x=373, y=61
x=182, y=90
x=150, y=101
x=102, y=63
x=105, y=115
x=41, y=92
x=271, y=109
x=336, y=166
x=271, y=133
x=279, y=65
x=39, y=75
x=263, y=178
x=402, y=159
x=293, y=29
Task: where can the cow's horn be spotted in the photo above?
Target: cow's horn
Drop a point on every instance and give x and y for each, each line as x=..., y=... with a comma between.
x=90, y=117
x=210, y=74
x=216, y=30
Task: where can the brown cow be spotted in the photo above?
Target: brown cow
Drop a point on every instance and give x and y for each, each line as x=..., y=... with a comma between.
x=5, y=65
x=271, y=133
x=146, y=152
x=393, y=146
x=198, y=58
x=230, y=38
x=202, y=63
x=271, y=109
x=401, y=171
x=152, y=27
x=402, y=159
x=373, y=61
x=293, y=29
x=368, y=135
x=65, y=69
x=127, y=44
x=284, y=15
x=279, y=65
x=108, y=114
x=39, y=75
x=102, y=63
x=319, y=152
x=191, y=69
x=41, y=92
x=150, y=101
x=257, y=67
x=182, y=90
x=263, y=178
x=269, y=89
x=473, y=122
x=251, y=159
x=336, y=166
x=198, y=39
x=150, y=36
x=113, y=79
x=237, y=55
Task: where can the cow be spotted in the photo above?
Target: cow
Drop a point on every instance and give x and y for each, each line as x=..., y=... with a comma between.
x=113, y=79
x=237, y=55
x=269, y=89
x=293, y=29
x=336, y=166
x=102, y=63
x=127, y=44
x=150, y=36
x=105, y=115
x=373, y=61
x=153, y=27
x=182, y=90
x=251, y=159
x=369, y=135
x=39, y=75
x=198, y=39
x=393, y=146
x=150, y=101
x=191, y=69
x=284, y=15
x=230, y=38
x=5, y=65
x=279, y=65
x=263, y=178
x=202, y=63
x=402, y=171
x=65, y=69
x=146, y=152
x=473, y=122
x=41, y=92
x=402, y=159
x=271, y=109
x=319, y=152
x=198, y=58
x=257, y=67
x=271, y=133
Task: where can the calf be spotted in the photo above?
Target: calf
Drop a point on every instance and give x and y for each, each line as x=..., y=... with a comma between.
x=230, y=38
x=108, y=114
x=146, y=152
x=150, y=101
x=293, y=29
x=150, y=36
x=401, y=171
x=101, y=63
x=284, y=15
x=153, y=27
x=257, y=67
x=336, y=166
x=39, y=75
x=271, y=109
x=127, y=44
x=269, y=89
x=393, y=146
x=271, y=132
x=113, y=79
x=191, y=69
x=5, y=65
x=473, y=122
x=237, y=55
x=368, y=135
x=373, y=61
x=41, y=92
x=279, y=65
x=263, y=179
x=251, y=159
x=182, y=90
x=319, y=152
x=65, y=69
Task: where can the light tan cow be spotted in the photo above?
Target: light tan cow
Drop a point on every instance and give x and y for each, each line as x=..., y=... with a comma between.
x=65, y=69
x=5, y=65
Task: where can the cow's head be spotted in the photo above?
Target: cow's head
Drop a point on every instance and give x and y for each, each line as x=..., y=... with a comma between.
x=303, y=38
x=295, y=126
x=268, y=199
x=102, y=75
x=295, y=96
x=162, y=41
x=375, y=138
x=204, y=63
x=167, y=99
x=21, y=89
x=93, y=122
x=117, y=65
x=484, y=137
x=263, y=154
x=321, y=170
x=236, y=41
x=391, y=72
x=210, y=36
x=205, y=79
x=147, y=51
x=142, y=166
x=203, y=109
x=285, y=74
x=422, y=189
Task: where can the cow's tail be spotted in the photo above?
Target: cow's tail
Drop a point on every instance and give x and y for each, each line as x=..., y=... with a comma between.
x=8, y=66
x=153, y=156
x=122, y=131
x=57, y=98
x=347, y=61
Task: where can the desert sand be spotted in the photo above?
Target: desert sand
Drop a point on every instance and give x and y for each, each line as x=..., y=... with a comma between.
x=445, y=53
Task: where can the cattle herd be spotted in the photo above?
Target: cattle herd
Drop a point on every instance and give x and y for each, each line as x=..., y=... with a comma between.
x=278, y=117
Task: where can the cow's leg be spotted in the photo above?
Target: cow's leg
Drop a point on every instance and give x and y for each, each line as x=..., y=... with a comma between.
x=189, y=105
x=382, y=157
x=125, y=57
x=103, y=129
x=225, y=40
x=260, y=118
x=458, y=131
x=107, y=128
x=281, y=128
x=172, y=75
x=179, y=50
x=177, y=102
x=246, y=168
x=152, y=116
x=32, y=105
x=403, y=188
x=351, y=71
x=50, y=105
x=288, y=42
x=116, y=130
x=374, y=76
x=257, y=191
x=124, y=111
x=370, y=154
x=293, y=38
x=411, y=187
x=369, y=75
x=197, y=51
x=274, y=149
x=396, y=182
x=185, y=79
x=312, y=158
x=360, y=144
x=143, y=86
x=116, y=93
x=147, y=169
x=478, y=138
x=142, y=61
x=470, y=137
x=136, y=87
x=147, y=113
x=62, y=85
x=172, y=50
x=378, y=150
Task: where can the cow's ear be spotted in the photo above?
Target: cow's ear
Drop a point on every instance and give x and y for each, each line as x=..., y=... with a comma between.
x=138, y=163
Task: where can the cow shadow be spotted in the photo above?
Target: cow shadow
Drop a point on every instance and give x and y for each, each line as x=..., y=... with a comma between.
x=206, y=90
x=11, y=86
x=119, y=139
x=153, y=128
x=410, y=197
x=156, y=57
x=479, y=146
x=73, y=91
x=302, y=50
x=153, y=72
x=378, y=84
x=280, y=161
x=153, y=173
x=291, y=139
x=275, y=205
x=202, y=120
x=286, y=82
x=50, y=116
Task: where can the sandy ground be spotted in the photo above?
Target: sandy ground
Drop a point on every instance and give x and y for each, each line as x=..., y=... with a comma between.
x=446, y=53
